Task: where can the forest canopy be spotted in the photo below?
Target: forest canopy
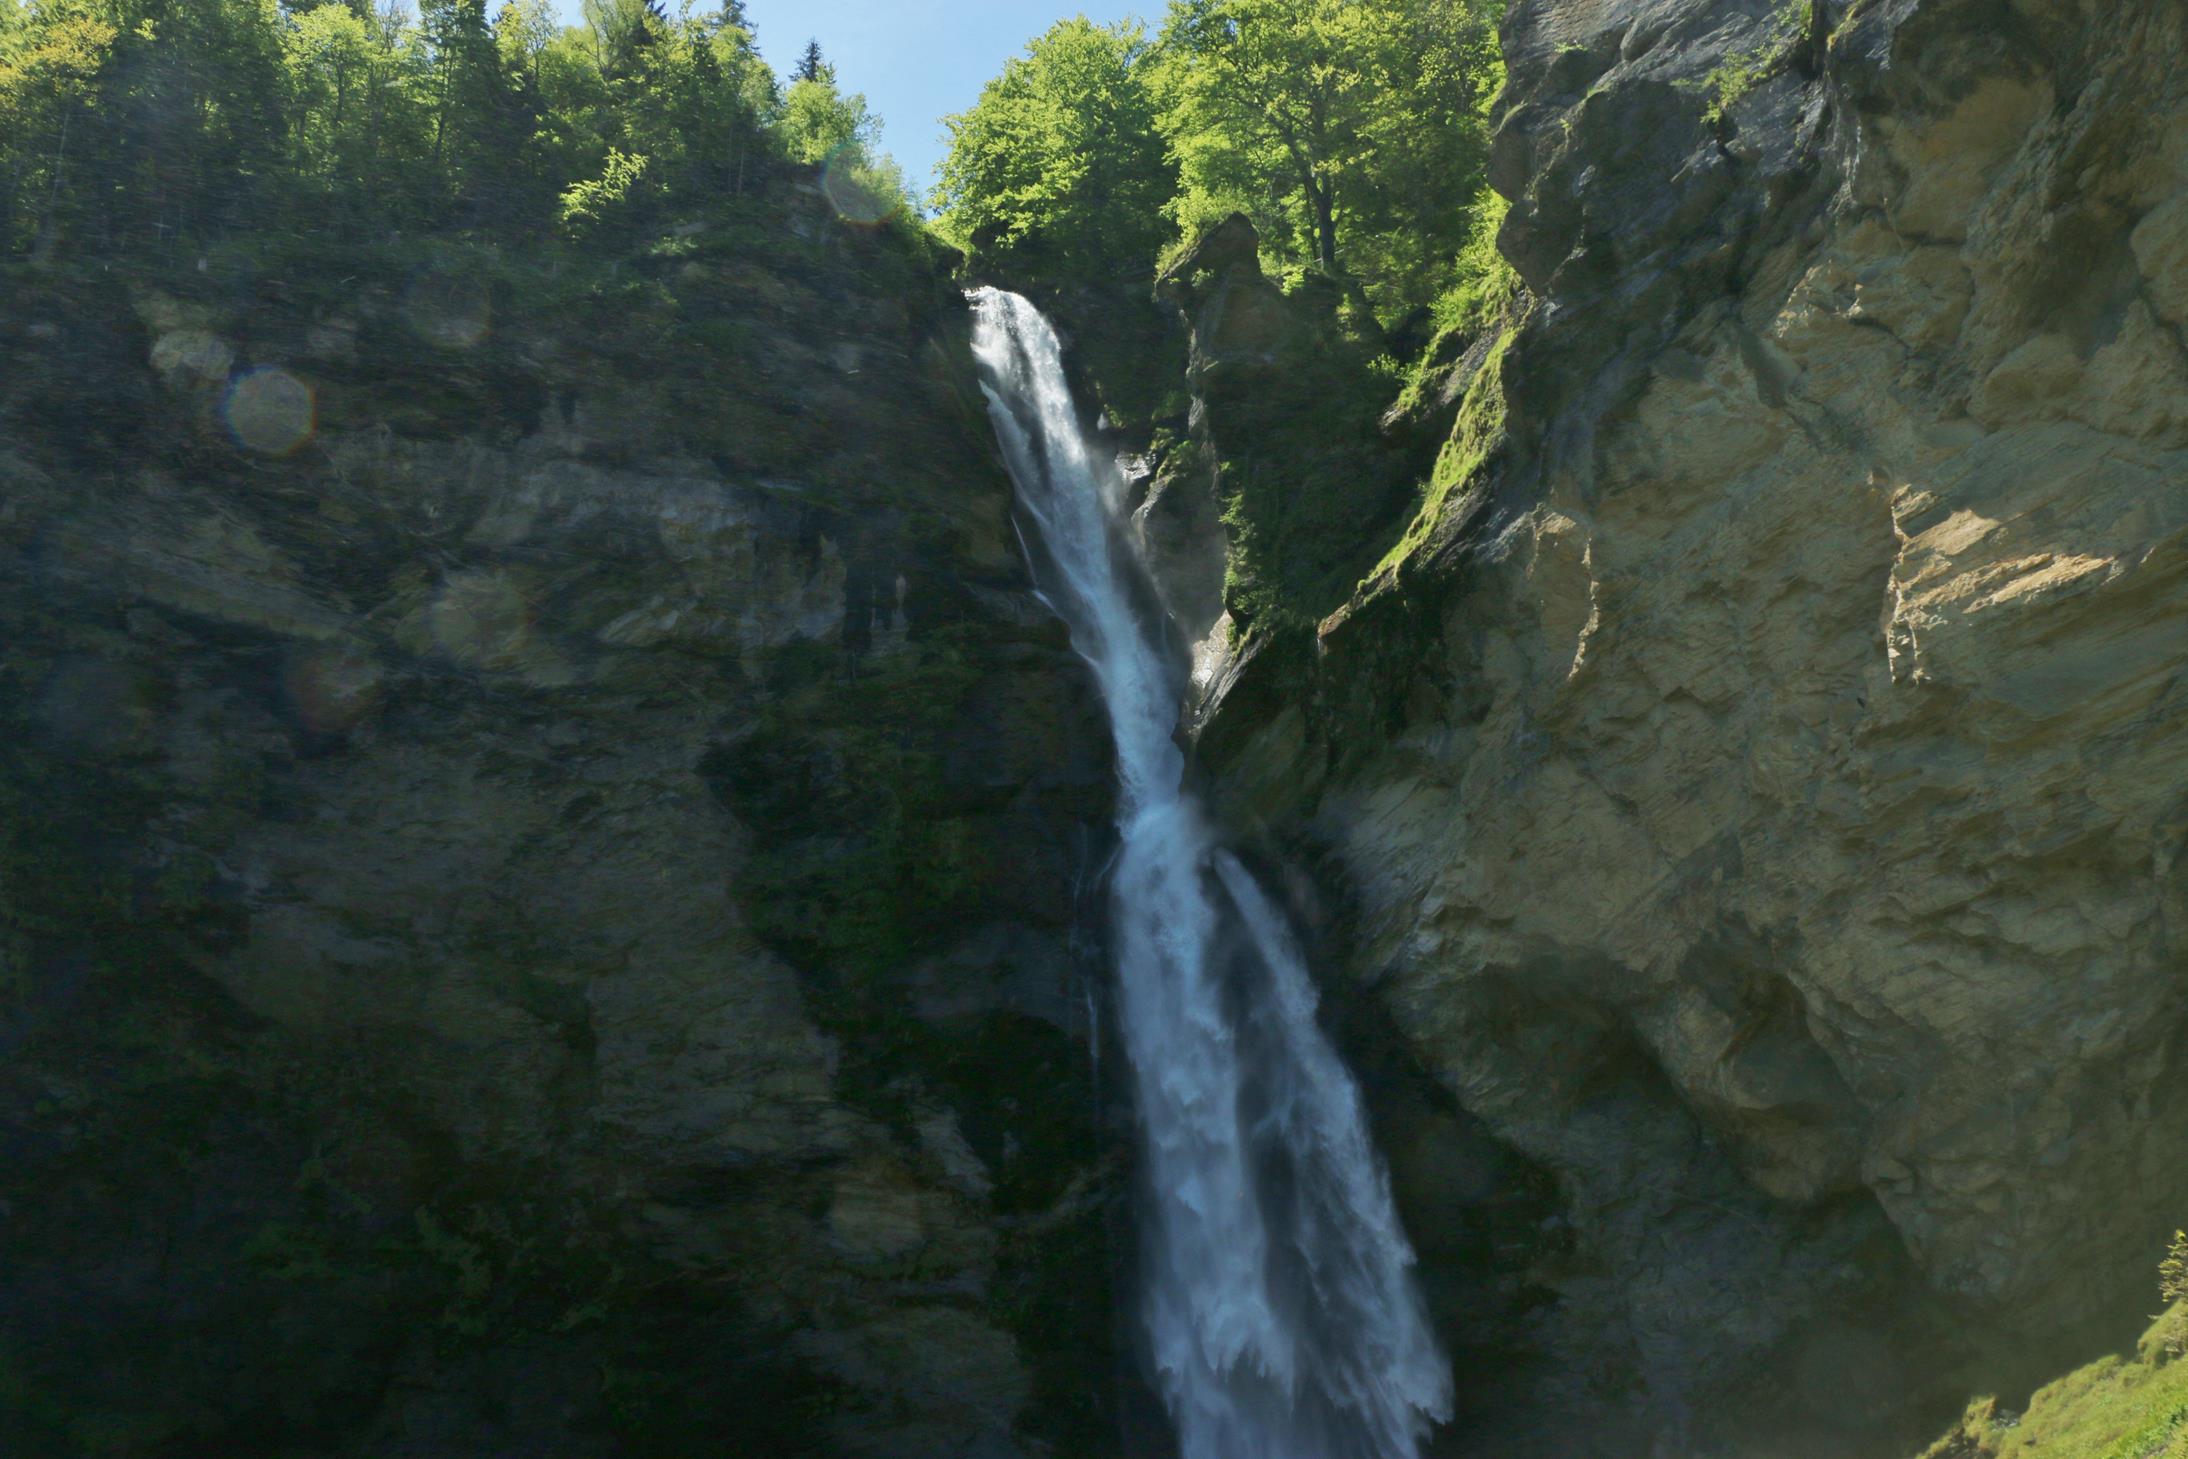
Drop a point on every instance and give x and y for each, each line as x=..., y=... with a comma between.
x=128, y=124
x=1353, y=134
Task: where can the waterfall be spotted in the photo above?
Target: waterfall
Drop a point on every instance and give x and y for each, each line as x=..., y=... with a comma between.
x=1280, y=1305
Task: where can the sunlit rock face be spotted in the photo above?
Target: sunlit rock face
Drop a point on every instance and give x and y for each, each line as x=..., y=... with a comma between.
x=537, y=856
x=1763, y=806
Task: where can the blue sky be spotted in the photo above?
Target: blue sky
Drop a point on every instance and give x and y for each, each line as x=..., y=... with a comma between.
x=916, y=60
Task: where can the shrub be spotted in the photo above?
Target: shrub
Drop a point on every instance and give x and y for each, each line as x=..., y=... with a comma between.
x=589, y=204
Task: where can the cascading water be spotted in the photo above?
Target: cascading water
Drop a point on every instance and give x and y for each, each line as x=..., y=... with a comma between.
x=1280, y=1301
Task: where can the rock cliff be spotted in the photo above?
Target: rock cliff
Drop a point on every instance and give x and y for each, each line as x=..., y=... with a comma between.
x=546, y=842
x=540, y=836
x=1750, y=808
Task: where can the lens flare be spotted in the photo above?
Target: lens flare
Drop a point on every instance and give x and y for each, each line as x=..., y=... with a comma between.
x=270, y=411
x=852, y=190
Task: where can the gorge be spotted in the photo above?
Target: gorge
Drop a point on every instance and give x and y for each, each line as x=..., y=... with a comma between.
x=631, y=827
x=1280, y=1303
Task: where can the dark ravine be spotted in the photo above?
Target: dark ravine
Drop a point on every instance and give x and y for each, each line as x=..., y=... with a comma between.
x=546, y=920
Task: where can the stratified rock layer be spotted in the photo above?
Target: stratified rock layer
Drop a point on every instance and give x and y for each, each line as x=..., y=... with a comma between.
x=1762, y=800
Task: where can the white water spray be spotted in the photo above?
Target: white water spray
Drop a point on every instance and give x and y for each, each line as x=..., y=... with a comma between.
x=1280, y=1301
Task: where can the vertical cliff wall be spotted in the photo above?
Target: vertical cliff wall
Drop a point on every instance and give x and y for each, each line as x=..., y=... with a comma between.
x=540, y=826
x=1756, y=804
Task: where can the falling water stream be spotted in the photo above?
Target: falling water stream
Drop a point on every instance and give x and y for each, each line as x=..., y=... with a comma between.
x=1280, y=1306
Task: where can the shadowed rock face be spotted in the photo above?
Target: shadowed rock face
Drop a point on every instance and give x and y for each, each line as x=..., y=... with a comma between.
x=1760, y=807
x=540, y=920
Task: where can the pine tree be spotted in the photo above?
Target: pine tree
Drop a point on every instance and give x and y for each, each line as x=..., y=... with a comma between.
x=811, y=67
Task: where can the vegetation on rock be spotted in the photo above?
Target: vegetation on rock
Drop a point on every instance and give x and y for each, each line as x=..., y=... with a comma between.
x=1351, y=142
x=2124, y=1406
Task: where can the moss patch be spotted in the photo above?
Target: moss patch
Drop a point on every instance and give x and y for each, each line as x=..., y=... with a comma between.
x=2127, y=1406
x=1474, y=438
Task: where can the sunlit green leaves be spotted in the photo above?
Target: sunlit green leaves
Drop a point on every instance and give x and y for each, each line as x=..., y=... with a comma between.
x=1059, y=166
x=1353, y=134
x=167, y=124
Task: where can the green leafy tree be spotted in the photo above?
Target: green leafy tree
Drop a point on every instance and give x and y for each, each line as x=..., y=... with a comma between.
x=698, y=105
x=355, y=120
x=50, y=62
x=818, y=121
x=811, y=66
x=597, y=202
x=2173, y=1271
x=482, y=123
x=820, y=124
x=163, y=124
x=622, y=30
x=1059, y=165
x=1270, y=100
x=1352, y=133
x=190, y=141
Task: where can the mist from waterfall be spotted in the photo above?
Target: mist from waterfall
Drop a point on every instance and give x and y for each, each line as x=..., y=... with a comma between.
x=1280, y=1306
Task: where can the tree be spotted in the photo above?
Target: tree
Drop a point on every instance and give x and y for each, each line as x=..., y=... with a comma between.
x=482, y=122
x=1334, y=123
x=1276, y=93
x=698, y=106
x=50, y=63
x=1059, y=164
x=729, y=15
x=166, y=124
x=819, y=122
x=329, y=57
x=811, y=67
x=622, y=29
x=2173, y=1271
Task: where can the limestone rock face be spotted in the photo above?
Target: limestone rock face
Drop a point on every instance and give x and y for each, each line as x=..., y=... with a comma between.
x=536, y=898
x=1762, y=803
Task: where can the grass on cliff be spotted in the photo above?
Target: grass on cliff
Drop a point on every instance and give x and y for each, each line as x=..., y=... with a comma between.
x=1742, y=71
x=1474, y=436
x=2126, y=1406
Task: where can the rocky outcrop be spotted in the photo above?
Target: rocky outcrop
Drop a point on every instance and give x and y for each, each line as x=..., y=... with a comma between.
x=539, y=835
x=1759, y=801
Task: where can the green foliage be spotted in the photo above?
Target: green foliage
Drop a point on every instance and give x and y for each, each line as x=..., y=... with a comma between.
x=820, y=124
x=2127, y=1406
x=819, y=121
x=1742, y=71
x=1482, y=288
x=1483, y=281
x=164, y=127
x=1474, y=437
x=1059, y=169
x=1353, y=135
x=586, y=205
x=2132, y=1406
